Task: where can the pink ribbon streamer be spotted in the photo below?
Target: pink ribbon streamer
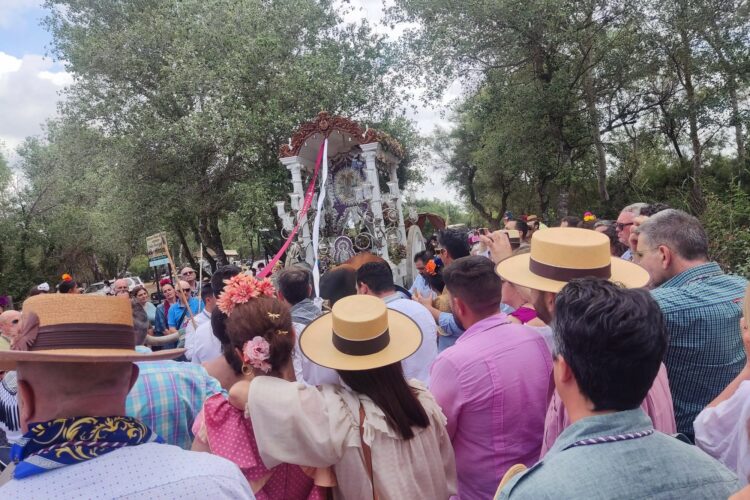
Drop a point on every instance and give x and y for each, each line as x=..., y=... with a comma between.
x=303, y=211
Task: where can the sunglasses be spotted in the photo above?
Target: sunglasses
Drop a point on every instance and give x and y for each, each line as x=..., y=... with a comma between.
x=186, y=290
x=620, y=225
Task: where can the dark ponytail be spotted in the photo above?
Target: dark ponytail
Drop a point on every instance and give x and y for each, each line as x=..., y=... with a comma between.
x=387, y=388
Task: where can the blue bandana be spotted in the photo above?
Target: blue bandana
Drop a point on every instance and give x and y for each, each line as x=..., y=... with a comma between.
x=67, y=441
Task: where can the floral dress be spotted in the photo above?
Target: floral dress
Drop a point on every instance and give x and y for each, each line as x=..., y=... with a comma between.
x=226, y=431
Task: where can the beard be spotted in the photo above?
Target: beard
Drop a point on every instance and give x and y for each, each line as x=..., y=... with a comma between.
x=541, y=308
x=458, y=322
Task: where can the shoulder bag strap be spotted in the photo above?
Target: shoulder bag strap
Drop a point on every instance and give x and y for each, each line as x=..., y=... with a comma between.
x=366, y=450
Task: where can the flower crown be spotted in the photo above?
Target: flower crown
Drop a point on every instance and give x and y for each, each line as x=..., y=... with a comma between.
x=240, y=289
x=431, y=268
x=588, y=217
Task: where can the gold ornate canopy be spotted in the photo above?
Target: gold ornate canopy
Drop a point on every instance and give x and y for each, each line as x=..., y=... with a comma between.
x=343, y=134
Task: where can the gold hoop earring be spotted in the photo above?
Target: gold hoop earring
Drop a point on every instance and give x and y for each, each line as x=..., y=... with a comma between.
x=247, y=369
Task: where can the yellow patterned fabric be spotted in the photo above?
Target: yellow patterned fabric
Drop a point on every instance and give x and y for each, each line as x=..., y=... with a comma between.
x=66, y=441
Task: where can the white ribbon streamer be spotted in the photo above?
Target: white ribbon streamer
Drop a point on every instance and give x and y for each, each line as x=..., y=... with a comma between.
x=316, y=224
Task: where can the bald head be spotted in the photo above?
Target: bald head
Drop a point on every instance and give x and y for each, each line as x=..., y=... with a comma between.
x=121, y=287
x=63, y=390
x=188, y=274
x=10, y=322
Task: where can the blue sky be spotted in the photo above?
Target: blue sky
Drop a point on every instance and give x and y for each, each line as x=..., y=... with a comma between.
x=30, y=82
x=21, y=32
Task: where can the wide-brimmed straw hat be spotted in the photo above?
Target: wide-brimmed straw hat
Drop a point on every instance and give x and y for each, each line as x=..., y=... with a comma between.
x=69, y=328
x=559, y=255
x=360, y=333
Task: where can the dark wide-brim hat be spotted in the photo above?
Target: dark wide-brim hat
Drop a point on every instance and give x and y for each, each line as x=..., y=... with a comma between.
x=360, y=333
x=70, y=328
x=559, y=255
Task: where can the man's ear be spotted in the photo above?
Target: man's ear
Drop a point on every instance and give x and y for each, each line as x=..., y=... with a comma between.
x=458, y=306
x=134, y=375
x=549, y=301
x=26, y=404
x=667, y=257
x=562, y=370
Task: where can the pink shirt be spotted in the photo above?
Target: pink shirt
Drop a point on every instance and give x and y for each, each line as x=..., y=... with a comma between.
x=493, y=387
x=657, y=405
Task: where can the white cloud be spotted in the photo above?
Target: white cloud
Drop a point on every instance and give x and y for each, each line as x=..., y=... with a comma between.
x=9, y=64
x=60, y=78
x=29, y=93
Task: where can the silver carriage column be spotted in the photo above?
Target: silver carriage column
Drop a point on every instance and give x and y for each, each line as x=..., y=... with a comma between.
x=356, y=215
x=296, y=165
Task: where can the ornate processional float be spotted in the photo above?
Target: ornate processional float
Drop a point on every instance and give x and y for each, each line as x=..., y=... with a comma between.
x=351, y=202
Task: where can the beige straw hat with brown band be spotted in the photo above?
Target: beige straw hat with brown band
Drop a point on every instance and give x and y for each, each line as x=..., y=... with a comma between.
x=360, y=333
x=559, y=255
x=68, y=328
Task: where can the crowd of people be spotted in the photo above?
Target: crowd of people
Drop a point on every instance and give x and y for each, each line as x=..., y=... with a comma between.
x=597, y=359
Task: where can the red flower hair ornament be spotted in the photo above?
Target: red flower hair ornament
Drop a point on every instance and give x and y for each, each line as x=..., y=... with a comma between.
x=241, y=289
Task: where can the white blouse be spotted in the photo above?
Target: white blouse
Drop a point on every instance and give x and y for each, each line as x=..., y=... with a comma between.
x=319, y=427
x=722, y=432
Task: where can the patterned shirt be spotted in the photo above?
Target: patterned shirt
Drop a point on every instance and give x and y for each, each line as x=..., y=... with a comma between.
x=168, y=396
x=652, y=466
x=153, y=471
x=702, y=310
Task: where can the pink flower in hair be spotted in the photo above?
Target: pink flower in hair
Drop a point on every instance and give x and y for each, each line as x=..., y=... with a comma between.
x=256, y=353
x=241, y=289
x=266, y=288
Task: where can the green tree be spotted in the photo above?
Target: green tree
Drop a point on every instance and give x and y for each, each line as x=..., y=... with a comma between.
x=199, y=95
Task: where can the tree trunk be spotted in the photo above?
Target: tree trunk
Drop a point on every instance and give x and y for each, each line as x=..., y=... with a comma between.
x=696, y=162
x=503, y=206
x=208, y=228
x=563, y=203
x=737, y=122
x=596, y=138
x=186, y=248
x=541, y=190
x=207, y=256
x=96, y=269
x=476, y=204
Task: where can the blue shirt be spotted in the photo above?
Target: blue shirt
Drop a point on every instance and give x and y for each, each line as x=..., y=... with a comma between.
x=421, y=286
x=702, y=308
x=177, y=309
x=450, y=331
x=655, y=466
x=168, y=396
x=160, y=320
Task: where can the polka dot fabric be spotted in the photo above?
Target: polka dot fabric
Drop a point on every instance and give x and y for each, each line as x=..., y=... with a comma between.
x=230, y=435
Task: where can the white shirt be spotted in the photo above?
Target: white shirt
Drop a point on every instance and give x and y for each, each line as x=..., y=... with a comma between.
x=205, y=346
x=308, y=372
x=418, y=364
x=190, y=330
x=722, y=432
x=154, y=471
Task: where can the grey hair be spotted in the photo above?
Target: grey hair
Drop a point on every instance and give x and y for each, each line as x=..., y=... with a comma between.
x=679, y=231
x=140, y=323
x=635, y=208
